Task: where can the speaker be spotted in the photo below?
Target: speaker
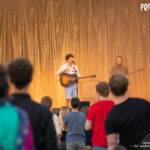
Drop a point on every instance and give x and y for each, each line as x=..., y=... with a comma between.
x=84, y=103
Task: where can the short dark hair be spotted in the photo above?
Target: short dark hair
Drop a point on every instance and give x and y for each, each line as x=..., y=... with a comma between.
x=47, y=101
x=20, y=72
x=103, y=88
x=68, y=56
x=84, y=109
x=119, y=57
x=118, y=84
x=75, y=102
x=4, y=87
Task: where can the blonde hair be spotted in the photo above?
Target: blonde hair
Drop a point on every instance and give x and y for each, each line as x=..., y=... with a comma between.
x=63, y=112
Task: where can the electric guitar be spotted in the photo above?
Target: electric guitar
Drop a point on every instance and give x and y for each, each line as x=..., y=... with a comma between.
x=138, y=70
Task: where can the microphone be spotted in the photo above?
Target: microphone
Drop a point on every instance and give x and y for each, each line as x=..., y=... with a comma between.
x=73, y=62
x=74, y=69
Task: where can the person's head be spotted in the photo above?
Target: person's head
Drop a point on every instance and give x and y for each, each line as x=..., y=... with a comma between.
x=20, y=72
x=3, y=82
x=118, y=84
x=85, y=109
x=63, y=112
x=119, y=60
x=119, y=147
x=69, y=58
x=75, y=102
x=102, y=89
x=47, y=101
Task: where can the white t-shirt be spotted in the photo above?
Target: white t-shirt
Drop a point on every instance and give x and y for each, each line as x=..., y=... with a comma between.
x=57, y=124
x=72, y=70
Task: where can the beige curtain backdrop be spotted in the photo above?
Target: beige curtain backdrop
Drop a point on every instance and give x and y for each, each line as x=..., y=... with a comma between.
x=95, y=31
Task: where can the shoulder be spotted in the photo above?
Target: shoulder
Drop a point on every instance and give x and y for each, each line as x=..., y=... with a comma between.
x=93, y=107
x=68, y=114
x=7, y=105
x=55, y=116
x=21, y=111
x=68, y=117
x=101, y=103
x=41, y=109
x=64, y=65
x=140, y=101
x=82, y=114
x=110, y=102
x=75, y=66
x=112, y=115
x=113, y=111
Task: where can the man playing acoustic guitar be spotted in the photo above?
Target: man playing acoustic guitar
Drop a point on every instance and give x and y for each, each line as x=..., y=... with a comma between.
x=69, y=68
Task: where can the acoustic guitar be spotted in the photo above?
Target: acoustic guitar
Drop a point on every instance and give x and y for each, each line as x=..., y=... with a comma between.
x=67, y=79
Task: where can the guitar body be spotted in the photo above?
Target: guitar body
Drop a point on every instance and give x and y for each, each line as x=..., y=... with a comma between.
x=67, y=79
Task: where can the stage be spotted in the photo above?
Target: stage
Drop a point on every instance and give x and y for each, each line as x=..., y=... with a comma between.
x=94, y=31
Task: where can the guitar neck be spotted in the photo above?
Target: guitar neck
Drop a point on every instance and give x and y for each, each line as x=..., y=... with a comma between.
x=136, y=71
x=86, y=77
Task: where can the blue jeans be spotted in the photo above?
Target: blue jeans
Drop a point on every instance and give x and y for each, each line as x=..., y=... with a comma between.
x=99, y=148
x=76, y=145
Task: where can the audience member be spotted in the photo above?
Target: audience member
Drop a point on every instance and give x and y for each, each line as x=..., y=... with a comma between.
x=88, y=134
x=15, y=128
x=47, y=101
x=97, y=115
x=63, y=112
x=85, y=109
x=75, y=122
x=20, y=75
x=4, y=87
x=129, y=117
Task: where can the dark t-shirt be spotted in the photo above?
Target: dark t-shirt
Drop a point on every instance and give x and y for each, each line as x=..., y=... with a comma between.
x=41, y=120
x=131, y=120
x=119, y=69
